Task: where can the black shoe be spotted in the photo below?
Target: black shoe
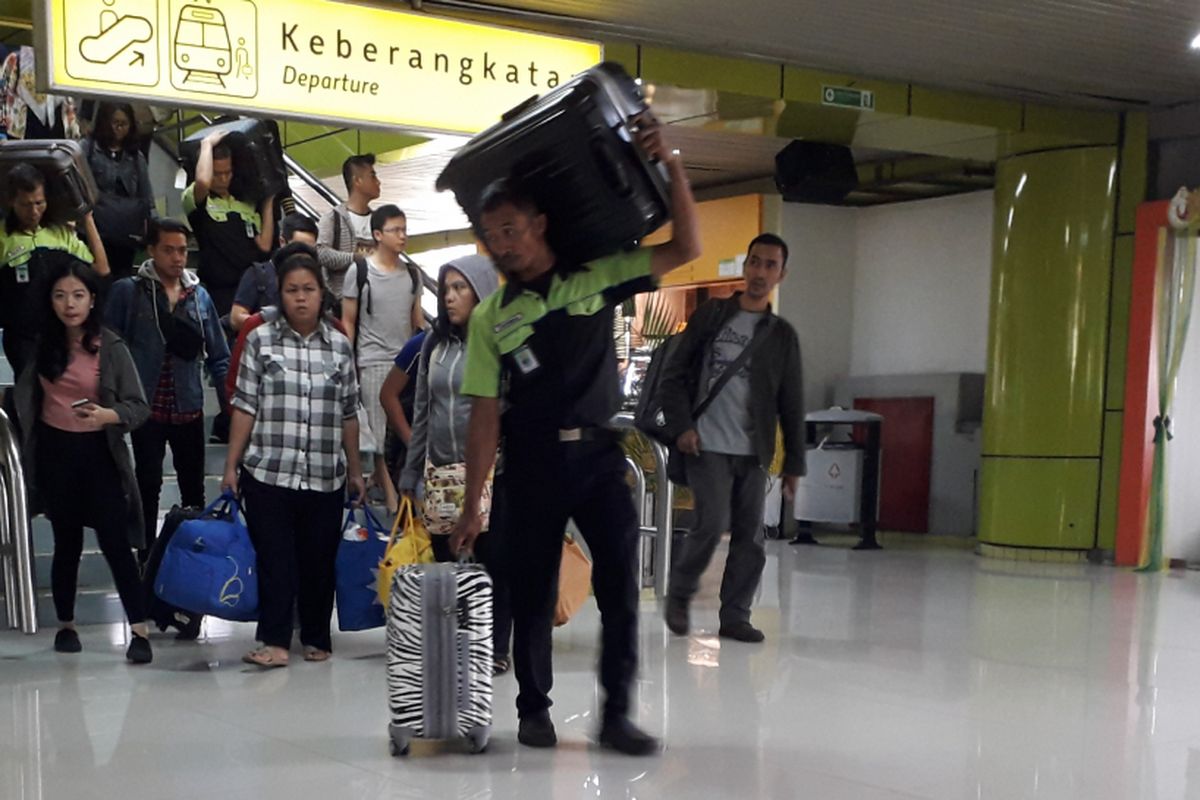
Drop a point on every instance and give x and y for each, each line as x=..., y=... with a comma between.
x=139, y=651
x=218, y=438
x=191, y=631
x=501, y=665
x=67, y=641
x=742, y=632
x=676, y=616
x=537, y=731
x=623, y=736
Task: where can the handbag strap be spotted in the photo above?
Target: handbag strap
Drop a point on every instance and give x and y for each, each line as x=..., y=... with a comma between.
x=224, y=507
x=405, y=511
x=733, y=369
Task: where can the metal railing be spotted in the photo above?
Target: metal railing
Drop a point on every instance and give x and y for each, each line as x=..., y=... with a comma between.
x=654, y=559
x=16, y=546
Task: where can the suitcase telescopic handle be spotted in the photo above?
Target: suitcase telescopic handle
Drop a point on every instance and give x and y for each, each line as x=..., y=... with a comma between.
x=611, y=165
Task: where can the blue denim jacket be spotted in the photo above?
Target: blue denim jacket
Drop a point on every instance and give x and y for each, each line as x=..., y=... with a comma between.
x=130, y=311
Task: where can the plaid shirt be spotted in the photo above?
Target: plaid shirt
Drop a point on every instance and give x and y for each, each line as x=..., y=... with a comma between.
x=300, y=390
x=162, y=405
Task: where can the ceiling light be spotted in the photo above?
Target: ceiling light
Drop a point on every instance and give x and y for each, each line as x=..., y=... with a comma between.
x=1196, y=42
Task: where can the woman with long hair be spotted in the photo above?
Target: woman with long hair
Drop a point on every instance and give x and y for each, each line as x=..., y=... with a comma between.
x=76, y=400
x=293, y=452
x=126, y=200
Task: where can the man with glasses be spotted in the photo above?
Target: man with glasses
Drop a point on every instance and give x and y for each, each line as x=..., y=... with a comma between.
x=381, y=310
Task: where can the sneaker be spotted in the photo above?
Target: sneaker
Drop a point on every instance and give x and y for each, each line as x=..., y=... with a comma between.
x=537, y=731
x=67, y=641
x=139, y=651
x=623, y=736
x=676, y=616
x=741, y=631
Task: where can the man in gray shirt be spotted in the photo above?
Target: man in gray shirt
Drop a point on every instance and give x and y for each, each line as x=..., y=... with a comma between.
x=729, y=447
x=381, y=310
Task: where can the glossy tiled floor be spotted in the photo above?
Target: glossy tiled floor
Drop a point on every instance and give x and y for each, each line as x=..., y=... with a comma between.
x=895, y=674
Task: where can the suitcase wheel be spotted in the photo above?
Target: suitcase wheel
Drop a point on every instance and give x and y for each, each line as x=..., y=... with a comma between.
x=477, y=742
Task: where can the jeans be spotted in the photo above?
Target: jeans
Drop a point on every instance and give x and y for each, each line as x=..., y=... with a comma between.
x=187, y=454
x=729, y=492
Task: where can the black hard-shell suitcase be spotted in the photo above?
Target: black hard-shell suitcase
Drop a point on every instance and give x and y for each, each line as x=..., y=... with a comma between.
x=574, y=149
x=70, y=187
x=159, y=611
x=439, y=655
x=258, y=168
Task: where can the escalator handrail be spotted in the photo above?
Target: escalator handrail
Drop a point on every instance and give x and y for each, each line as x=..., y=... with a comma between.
x=12, y=478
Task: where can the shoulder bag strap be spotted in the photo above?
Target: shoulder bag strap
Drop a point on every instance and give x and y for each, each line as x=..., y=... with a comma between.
x=734, y=368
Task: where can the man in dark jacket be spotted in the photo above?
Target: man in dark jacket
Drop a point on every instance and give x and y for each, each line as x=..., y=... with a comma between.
x=730, y=446
x=171, y=326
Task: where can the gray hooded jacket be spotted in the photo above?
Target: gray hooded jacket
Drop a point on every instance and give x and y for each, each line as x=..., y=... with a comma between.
x=440, y=412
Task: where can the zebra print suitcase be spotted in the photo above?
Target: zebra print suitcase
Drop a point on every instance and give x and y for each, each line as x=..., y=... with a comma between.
x=439, y=655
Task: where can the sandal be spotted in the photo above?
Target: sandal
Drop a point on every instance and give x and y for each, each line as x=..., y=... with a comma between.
x=263, y=657
x=316, y=654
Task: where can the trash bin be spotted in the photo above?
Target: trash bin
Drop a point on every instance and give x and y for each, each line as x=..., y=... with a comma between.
x=841, y=484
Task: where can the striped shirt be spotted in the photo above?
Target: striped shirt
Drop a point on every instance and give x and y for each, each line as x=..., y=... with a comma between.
x=300, y=390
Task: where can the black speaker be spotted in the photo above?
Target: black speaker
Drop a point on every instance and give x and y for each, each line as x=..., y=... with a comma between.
x=814, y=172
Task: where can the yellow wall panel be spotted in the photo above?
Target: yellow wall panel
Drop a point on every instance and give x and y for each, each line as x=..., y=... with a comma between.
x=726, y=227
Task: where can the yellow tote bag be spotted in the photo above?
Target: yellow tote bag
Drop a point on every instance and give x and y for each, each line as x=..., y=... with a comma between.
x=408, y=544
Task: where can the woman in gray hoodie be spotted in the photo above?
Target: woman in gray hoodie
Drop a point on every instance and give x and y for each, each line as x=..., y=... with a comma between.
x=440, y=417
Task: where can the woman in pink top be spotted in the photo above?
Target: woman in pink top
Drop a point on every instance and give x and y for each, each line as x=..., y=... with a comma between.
x=76, y=401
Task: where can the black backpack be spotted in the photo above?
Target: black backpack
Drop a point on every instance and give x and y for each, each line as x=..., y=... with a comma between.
x=360, y=279
x=648, y=416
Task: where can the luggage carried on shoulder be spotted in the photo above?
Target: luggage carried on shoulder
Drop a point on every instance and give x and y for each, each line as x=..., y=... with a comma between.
x=210, y=566
x=258, y=168
x=71, y=190
x=573, y=148
x=439, y=655
x=158, y=611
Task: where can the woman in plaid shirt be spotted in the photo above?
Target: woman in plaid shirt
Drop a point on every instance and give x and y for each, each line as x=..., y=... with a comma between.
x=293, y=452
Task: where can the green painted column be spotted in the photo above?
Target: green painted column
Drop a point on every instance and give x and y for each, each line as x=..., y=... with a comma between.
x=1043, y=424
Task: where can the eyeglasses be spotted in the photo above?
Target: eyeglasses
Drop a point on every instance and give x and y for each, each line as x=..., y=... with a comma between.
x=393, y=231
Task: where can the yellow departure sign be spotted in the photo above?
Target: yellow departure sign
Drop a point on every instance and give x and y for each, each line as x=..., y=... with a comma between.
x=315, y=60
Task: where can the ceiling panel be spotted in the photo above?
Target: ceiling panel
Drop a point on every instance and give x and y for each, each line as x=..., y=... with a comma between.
x=1085, y=51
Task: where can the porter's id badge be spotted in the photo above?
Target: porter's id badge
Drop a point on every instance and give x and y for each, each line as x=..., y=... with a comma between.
x=526, y=361
x=250, y=234
x=23, y=273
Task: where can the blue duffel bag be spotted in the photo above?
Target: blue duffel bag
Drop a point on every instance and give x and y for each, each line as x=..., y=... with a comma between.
x=210, y=567
x=357, y=567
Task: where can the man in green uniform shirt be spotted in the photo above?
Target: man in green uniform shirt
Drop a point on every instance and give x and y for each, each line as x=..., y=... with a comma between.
x=543, y=346
x=24, y=236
